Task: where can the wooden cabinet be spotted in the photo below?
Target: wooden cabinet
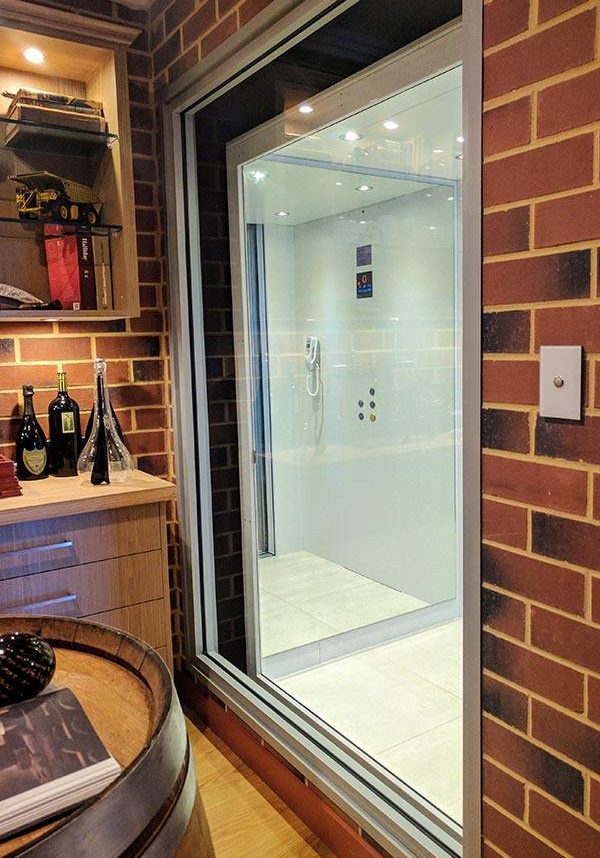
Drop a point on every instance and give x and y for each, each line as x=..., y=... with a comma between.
x=83, y=58
x=99, y=552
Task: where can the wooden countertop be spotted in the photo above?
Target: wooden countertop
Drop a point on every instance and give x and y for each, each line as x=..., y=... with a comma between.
x=58, y=496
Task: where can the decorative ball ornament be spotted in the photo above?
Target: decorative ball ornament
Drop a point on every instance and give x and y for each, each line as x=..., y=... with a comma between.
x=27, y=665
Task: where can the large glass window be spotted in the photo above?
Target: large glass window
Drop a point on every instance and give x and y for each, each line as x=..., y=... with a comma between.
x=328, y=225
x=351, y=272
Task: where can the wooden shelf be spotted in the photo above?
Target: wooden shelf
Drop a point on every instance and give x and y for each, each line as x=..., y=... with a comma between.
x=85, y=59
x=44, y=137
x=58, y=496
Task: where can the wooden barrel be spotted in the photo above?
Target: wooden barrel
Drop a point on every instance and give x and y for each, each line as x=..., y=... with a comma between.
x=128, y=695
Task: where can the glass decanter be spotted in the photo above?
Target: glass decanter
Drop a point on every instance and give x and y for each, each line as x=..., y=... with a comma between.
x=104, y=457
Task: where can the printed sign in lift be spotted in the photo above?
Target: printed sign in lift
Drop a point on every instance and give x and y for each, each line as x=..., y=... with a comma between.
x=364, y=284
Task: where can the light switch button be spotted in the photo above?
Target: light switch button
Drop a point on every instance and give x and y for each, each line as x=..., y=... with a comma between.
x=560, y=382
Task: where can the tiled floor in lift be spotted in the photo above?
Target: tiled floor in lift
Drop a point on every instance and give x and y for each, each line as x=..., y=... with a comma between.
x=401, y=703
x=305, y=598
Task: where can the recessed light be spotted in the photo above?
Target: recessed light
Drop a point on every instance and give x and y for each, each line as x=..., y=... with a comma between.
x=460, y=139
x=282, y=214
x=305, y=108
x=34, y=55
x=339, y=184
x=433, y=227
x=450, y=199
x=390, y=125
x=438, y=151
x=365, y=188
x=350, y=136
x=362, y=222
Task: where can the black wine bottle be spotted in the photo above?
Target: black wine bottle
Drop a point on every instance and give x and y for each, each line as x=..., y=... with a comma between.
x=32, y=449
x=65, y=431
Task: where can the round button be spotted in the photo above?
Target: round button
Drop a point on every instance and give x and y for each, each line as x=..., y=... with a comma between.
x=372, y=404
x=361, y=416
x=558, y=381
x=360, y=403
x=372, y=418
x=372, y=391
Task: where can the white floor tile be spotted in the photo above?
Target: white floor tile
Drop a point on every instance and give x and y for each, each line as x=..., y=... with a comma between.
x=431, y=763
x=284, y=626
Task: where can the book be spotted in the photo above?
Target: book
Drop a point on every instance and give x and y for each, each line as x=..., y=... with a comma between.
x=51, y=760
x=102, y=271
x=56, y=116
x=41, y=98
x=71, y=274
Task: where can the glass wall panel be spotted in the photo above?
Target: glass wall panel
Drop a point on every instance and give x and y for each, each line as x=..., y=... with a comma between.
x=352, y=269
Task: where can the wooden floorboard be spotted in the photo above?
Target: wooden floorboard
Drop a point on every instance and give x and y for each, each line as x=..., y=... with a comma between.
x=245, y=817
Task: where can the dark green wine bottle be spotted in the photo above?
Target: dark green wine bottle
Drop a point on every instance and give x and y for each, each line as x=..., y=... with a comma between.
x=32, y=449
x=65, y=431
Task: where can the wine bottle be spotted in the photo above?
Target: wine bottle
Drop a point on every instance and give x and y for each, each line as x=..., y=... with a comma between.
x=32, y=449
x=65, y=431
x=104, y=457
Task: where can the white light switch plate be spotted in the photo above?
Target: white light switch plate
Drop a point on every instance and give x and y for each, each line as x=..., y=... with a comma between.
x=560, y=382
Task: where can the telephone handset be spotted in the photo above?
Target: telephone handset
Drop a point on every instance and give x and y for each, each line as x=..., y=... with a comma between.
x=312, y=360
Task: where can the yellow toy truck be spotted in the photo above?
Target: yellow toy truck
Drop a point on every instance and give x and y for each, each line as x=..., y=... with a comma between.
x=44, y=196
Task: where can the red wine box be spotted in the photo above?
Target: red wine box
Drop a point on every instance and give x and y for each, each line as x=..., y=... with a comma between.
x=70, y=260
x=9, y=485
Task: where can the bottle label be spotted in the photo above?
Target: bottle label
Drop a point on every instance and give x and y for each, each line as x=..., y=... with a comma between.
x=35, y=461
x=68, y=422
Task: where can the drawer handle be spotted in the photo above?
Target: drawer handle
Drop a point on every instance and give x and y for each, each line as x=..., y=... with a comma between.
x=37, y=549
x=45, y=603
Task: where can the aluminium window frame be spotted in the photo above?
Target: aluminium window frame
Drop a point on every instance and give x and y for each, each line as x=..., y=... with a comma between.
x=270, y=33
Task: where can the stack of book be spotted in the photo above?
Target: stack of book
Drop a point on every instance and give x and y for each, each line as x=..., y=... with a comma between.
x=78, y=267
x=49, y=108
x=51, y=760
x=9, y=485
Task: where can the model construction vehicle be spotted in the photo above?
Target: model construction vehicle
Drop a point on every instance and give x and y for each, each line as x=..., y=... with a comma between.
x=45, y=196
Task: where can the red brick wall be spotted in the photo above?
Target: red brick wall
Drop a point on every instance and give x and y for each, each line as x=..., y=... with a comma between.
x=541, y=549
x=137, y=350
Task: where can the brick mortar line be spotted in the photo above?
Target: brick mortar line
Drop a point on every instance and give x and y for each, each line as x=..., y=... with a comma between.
x=590, y=494
x=528, y=602
x=525, y=827
x=541, y=27
x=505, y=357
x=504, y=406
x=535, y=252
x=539, y=85
x=558, y=304
x=536, y=743
x=557, y=659
x=497, y=849
x=551, y=461
x=533, y=202
x=550, y=140
x=593, y=574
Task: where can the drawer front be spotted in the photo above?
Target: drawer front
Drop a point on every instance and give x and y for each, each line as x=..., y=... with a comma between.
x=149, y=621
x=37, y=546
x=90, y=589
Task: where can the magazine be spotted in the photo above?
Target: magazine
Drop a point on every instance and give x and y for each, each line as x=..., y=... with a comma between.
x=51, y=760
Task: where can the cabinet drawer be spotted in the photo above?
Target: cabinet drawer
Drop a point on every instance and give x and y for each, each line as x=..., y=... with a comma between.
x=149, y=621
x=82, y=590
x=56, y=543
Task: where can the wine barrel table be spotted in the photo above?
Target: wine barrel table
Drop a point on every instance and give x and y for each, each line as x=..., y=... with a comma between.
x=152, y=810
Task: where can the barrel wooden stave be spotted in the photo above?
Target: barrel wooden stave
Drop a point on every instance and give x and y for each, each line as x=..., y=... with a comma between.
x=132, y=817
